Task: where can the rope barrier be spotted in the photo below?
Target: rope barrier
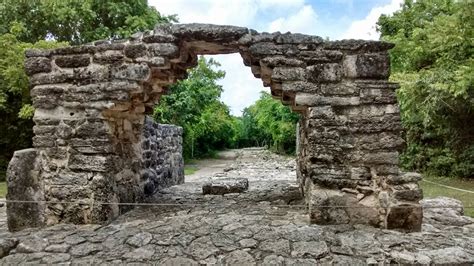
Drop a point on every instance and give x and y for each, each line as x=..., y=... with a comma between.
x=454, y=188
x=204, y=204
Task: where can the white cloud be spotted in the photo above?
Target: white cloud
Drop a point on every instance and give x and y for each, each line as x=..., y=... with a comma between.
x=365, y=28
x=241, y=88
x=303, y=21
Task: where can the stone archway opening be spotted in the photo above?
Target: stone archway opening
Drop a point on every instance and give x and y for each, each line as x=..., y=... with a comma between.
x=91, y=103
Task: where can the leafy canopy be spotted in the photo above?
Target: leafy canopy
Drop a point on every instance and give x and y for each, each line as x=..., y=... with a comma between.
x=433, y=61
x=79, y=22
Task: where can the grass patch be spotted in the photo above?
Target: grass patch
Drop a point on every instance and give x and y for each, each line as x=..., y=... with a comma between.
x=432, y=190
x=3, y=189
x=190, y=169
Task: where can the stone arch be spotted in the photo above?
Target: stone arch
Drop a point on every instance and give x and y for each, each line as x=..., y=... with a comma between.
x=91, y=102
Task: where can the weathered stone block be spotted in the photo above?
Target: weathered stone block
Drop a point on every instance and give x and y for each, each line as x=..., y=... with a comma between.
x=300, y=86
x=409, y=194
x=135, y=50
x=288, y=73
x=137, y=72
x=406, y=217
x=402, y=178
x=320, y=56
x=35, y=65
x=94, y=163
x=307, y=99
x=367, y=66
x=329, y=72
x=322, y=112
x=50, y=78
x=225, y=186
x=72, y=61
x=327, y=206
x=108, y=57
x=163, y=49
x=281, y=61
x=377, y=96
x=24, y=183
x=92, y=74
x=298, y=38
x=268, y=48
x=156, y=61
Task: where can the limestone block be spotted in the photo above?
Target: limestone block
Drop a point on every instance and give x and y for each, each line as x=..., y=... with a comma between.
x=136, y=72
x=163, y=49
x=37, y=53
x=408, y=194
x=329, y=72
x=135, y=50
x=268, y=48
x=72, y=61
x=288, y=73
x=91, y=74
x=363, y=124
x=322, y=112
x=225, y=186
x=313, y=56
x=298, y=38
x=35, y=65
x=307, y=99
x=50, y=78
x=328, y=206
x=158, y=37
x=404, y=216
x=206, y=32
x=94, y=163
x=451, y=212
x=156, y=61
x=74, y=50
x=402, y=178
x=300, y=86
x=281, y=61
x=370, y=95
x=25, y=183
x=108, y=57
x=367, y=66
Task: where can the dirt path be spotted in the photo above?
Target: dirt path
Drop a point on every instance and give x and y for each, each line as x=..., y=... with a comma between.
x=210, y=167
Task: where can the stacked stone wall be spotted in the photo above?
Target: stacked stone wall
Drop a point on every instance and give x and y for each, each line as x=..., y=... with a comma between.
x=162, y=154
x=91, y=103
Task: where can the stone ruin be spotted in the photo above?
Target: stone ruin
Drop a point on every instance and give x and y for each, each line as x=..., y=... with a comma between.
x=92, y=139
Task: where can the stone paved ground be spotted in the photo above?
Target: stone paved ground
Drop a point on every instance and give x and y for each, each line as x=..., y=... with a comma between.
x=266, y=225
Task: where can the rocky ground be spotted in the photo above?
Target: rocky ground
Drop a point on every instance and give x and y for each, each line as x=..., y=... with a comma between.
x=266, y=225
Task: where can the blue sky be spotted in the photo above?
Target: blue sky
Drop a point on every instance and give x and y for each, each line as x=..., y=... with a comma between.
x=336, y=19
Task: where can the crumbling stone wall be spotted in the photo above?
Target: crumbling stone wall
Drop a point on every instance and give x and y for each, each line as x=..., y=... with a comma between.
x=91, y=102
x=162, y=147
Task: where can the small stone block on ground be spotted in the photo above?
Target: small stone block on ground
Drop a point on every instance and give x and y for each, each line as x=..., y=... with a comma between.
x=225, y=186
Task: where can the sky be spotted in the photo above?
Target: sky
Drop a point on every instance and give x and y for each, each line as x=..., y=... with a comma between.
x=335, y=19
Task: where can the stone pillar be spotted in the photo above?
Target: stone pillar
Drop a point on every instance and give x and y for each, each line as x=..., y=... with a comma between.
x=24, y=183
x=353, y=133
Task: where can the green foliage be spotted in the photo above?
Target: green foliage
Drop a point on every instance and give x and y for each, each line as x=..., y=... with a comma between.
x=194, y=104
x=49, y=24
x=433, y=61
x=268, y=122
x=79, y=22
x=15, y=109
